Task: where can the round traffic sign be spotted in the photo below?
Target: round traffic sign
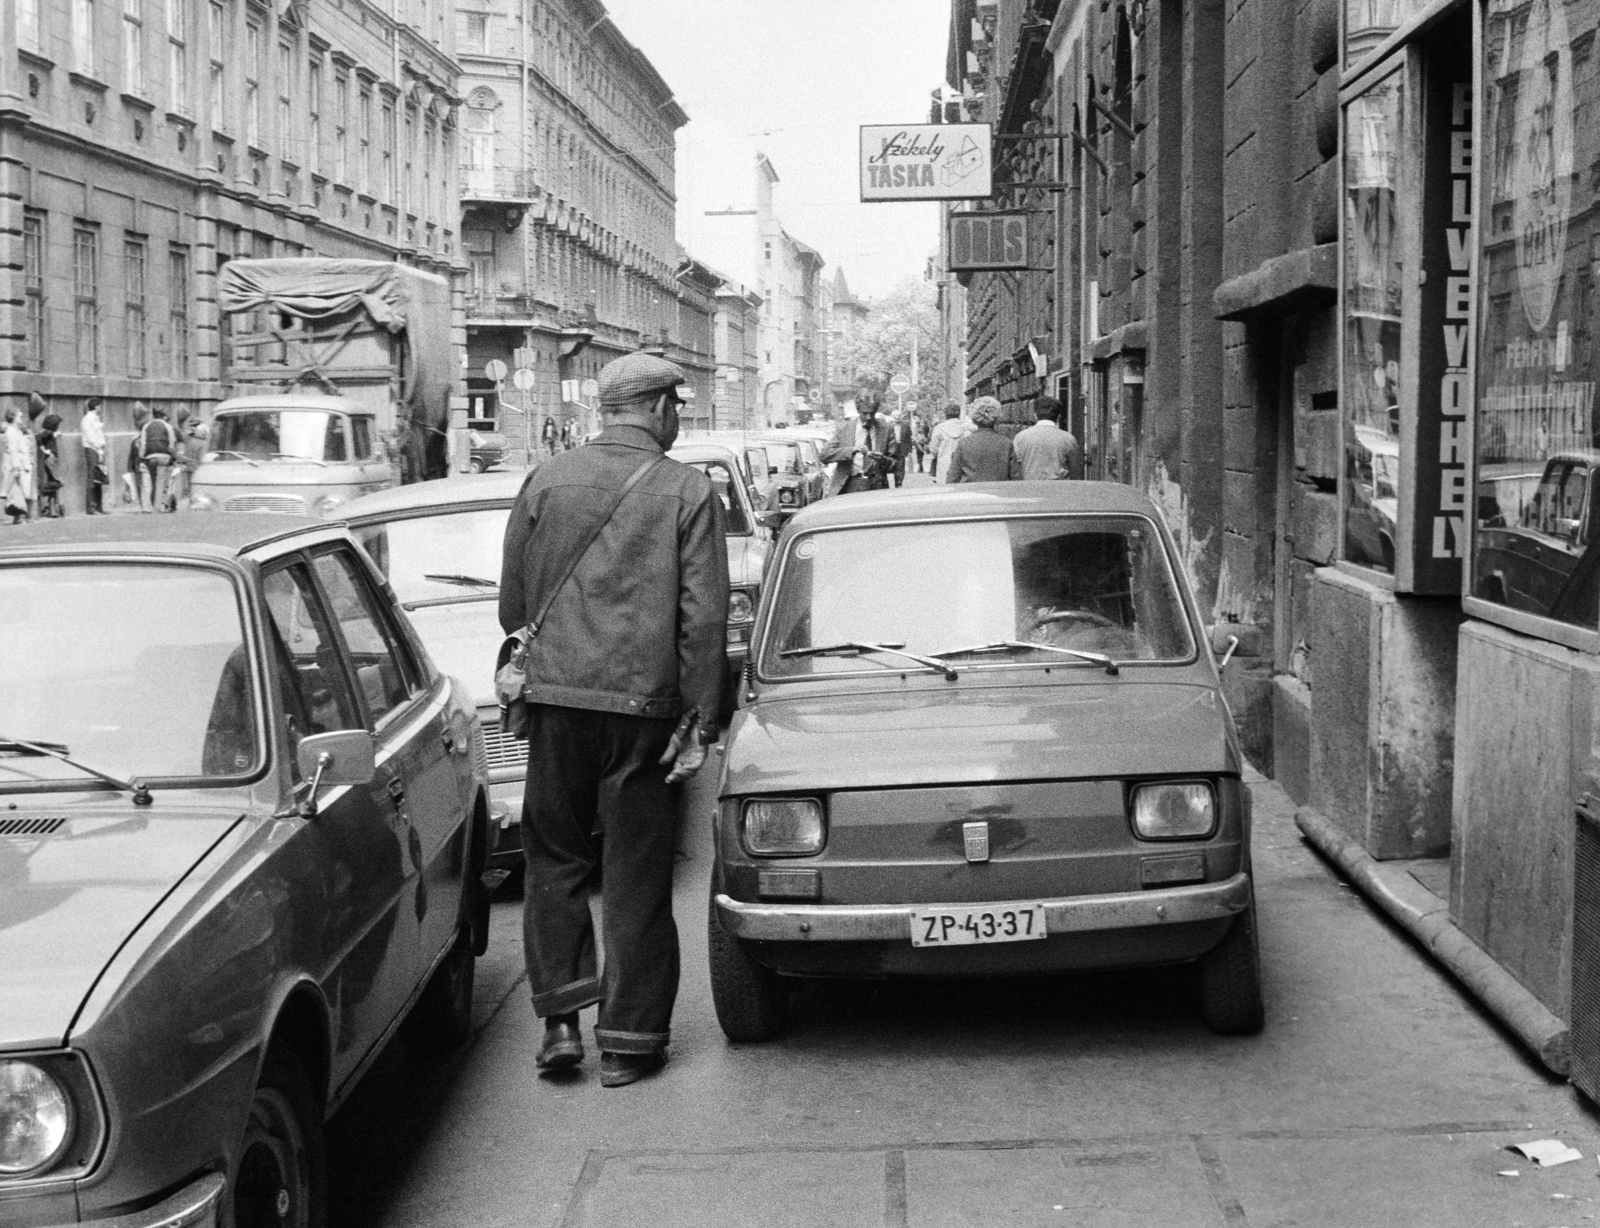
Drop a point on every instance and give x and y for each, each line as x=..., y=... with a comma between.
x=495, y=369
x=815, y=396
x=523, y=378
x=899, y=385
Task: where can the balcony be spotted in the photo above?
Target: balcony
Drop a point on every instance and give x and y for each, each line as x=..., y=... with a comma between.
x=502, y=193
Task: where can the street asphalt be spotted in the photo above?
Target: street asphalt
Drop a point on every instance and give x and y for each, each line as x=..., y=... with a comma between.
x=1378, y=1094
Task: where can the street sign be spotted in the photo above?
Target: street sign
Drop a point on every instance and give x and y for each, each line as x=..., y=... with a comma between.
x=926, y=162
x=982, y=242
x=591, y=388
x=495, y=369
x=525, y=356
x=524, y=378
x=814, y=396
x=899, y=385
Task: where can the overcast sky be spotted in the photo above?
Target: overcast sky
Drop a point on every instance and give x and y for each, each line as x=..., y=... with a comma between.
x=794, y=79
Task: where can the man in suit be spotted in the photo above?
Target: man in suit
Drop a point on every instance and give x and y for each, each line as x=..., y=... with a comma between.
x=863, y=450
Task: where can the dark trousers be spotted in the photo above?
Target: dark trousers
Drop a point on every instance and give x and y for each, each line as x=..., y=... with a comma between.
x=597, y=805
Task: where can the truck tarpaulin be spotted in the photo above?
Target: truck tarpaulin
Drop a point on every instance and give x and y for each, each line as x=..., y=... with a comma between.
x=333, y=310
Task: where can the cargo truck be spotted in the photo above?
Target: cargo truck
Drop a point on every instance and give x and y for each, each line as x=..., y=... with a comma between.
x=337, y=376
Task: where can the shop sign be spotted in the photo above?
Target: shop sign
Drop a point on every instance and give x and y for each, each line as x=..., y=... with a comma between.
x=926, y=162
x=988, y=242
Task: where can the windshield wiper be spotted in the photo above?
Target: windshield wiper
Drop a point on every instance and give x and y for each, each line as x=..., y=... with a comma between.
x=455, y=577
x=894, y=649
x=55, y=750
x=1093, y=658
x=310, y=460
x=249, y=460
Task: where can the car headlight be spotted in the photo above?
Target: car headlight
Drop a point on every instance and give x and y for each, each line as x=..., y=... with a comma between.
x=786, y=495
x=35, y=1118
x=783, y=827
x=741, y=609
x=201, y=503
x=328, y=504
x=1179, y=811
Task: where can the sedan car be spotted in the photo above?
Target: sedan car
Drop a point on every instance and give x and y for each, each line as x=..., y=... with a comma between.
x=982, y=736
x=244, y=820
x=792, y=487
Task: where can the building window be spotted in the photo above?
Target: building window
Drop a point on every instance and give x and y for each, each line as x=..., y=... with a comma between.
x=33, y=287
x=178, y=308
x=430, y=139
x=219, y=73
x=386, y=155
x=133, y=46
x=135, y=330
x=364, y=154
x=479, y=128
x=314, y=117
x=86, y=296
x=28, y=24
x=178, y=56
x=341, y=128
x=409, y=149
x=480, y=260
x=477, y=32
x=285, y=93
x=83, y=37
x=252, y=84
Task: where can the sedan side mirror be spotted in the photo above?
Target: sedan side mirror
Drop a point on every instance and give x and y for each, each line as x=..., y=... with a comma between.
x=345, y=757
x=770, y=518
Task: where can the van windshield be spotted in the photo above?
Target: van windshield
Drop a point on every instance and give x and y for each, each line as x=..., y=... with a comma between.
x=280, y=434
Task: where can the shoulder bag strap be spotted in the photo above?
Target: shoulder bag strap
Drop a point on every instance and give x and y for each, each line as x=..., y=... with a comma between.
x=550, y=598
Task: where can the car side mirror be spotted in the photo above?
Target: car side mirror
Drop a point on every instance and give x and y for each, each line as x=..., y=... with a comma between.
x=344, y=757
x=770, y=518
x=1224, y=643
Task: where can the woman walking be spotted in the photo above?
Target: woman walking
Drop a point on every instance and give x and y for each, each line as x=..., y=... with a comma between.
x=985, y=455
x=16, y=468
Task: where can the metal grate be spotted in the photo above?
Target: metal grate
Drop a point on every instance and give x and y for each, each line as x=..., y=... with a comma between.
x=1584, y=1036
x=294, y=505
x=39, y=825
x=504, y=750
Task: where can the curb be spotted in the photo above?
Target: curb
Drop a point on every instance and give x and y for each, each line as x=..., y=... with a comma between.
x=1427, y=919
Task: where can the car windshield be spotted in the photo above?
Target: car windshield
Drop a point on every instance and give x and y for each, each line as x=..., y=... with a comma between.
x=262, y=434
x=783, y=457
x=1088, y=584
x=139, y=670
x=447, y=556
x=722, y=480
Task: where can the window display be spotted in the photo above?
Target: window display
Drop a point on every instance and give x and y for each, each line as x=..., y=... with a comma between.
x=1537, y=452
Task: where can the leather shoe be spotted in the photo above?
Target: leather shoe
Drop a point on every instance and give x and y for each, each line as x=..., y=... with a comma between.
x=563, y=1046
x=621, y=1069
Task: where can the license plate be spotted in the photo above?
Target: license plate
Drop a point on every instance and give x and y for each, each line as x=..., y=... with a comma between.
x=959, y=927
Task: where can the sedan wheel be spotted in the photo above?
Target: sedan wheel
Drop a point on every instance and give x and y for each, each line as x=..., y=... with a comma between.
x=281, y=1178
x=751, y=999
x=1230, y=980
x=476, y=464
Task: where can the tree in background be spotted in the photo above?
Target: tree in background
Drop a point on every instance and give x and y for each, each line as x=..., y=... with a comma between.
x=906, y=317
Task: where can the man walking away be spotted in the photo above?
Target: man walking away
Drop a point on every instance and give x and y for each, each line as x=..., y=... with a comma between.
x=943, y=439
x=96, y=475
x=985, y=455
x=157, y=444
x=615, y=565
x=862, y=451
x=1046, y=452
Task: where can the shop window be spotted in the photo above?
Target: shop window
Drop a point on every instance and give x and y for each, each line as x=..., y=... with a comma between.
x=1535, y=562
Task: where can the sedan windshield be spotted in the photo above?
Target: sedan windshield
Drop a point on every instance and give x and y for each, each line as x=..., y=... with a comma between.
x=449, y=556
x=264, y=434
x=977, y=593
x=136, y=670
x=783, y=457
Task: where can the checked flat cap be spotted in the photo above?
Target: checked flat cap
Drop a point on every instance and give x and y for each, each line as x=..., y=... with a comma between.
x=634, y=377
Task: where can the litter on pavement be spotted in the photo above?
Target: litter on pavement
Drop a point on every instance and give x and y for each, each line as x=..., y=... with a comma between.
x=1547, y=1152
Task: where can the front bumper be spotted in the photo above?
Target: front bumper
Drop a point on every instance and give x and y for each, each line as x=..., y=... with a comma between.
x=194, y=1206
x=1068, y=915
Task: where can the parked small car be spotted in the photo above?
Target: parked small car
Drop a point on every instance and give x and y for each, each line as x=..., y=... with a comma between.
x=787, y=473
x=982, y=735
x=1531, y=561
x=243, y=829
x=488, y=449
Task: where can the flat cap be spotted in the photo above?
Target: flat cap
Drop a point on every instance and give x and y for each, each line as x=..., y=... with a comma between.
x=634, y=377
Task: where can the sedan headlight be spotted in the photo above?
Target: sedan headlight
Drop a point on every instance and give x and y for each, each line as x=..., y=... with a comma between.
x=786, y=495
x=1184, y=810
x=35, y=1118
x=784, y=827
x=201, y=503
x=741, y=608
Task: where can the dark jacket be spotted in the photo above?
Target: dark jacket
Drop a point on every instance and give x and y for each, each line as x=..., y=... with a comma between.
x=841, y=448
x=640, y=627
x=984, y=456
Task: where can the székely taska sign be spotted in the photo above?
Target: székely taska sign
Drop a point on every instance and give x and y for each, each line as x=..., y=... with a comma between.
x=926, y=162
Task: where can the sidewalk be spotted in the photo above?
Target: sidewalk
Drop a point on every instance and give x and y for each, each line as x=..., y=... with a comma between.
x=1414, y=893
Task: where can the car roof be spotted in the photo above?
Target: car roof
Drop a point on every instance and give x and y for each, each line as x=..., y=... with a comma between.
x=293, y=400
x=217, y=534
x=438, y=494
x=973, y=500
x=703, y=450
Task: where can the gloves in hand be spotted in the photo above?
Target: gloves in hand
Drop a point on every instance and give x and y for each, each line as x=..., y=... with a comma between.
x=685, y=751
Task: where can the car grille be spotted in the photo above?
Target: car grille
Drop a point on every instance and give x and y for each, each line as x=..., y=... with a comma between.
x=294, y=505
x=39, y=826
x=504, y=750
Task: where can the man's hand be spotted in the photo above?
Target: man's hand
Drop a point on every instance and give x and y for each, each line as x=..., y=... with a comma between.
x=685, y=751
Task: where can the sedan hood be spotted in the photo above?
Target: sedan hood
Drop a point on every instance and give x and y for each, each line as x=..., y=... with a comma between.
x=70, y=897
x=1085, y=730
x=462, y=638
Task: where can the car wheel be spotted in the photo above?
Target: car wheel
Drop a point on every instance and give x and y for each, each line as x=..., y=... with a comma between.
x=1230, y=979
x=442, y=1017
x=281, y=1179
x=751, y=999
x=476, y=465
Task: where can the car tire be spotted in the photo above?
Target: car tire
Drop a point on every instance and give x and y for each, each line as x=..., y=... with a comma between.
x=281, y=1177
x=1230, y=980
x=476, y=465
x=442, y=1018
x=751, y=999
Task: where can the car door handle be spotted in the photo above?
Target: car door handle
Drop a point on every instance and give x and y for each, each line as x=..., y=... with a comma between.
x=397, y=791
